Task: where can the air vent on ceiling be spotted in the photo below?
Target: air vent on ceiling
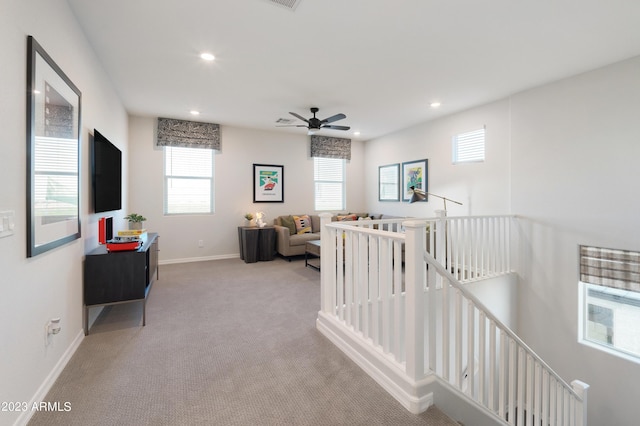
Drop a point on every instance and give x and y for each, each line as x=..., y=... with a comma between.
x=289, y=4
x=285, y=120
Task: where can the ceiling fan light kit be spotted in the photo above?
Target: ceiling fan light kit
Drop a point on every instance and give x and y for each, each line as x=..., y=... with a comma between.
x=314, y=124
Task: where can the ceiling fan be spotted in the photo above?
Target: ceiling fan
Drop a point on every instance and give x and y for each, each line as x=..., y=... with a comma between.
x=315, y=124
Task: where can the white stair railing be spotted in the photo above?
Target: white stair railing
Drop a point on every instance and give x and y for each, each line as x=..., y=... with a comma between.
x=402, y=294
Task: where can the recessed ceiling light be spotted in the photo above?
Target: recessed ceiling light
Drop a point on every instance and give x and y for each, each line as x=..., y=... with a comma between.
x=207, y=56
x=356, y=133
x=435, y=104
x=194, y=112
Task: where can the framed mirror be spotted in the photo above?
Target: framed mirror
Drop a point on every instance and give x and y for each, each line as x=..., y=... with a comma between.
x=53, y=160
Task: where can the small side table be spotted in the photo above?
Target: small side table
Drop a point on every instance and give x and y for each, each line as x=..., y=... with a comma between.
x=312, y=248
x=257, y=243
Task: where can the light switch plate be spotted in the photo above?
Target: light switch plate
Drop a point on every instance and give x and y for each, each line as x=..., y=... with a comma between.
x=7, y=223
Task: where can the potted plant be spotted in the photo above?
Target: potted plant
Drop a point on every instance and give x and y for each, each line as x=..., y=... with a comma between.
x=135, y=220
x=249, y=217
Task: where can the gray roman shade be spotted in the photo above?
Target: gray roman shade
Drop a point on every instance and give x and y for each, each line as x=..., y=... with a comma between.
x=610, y=267
x=188, y=134
x=327, y=147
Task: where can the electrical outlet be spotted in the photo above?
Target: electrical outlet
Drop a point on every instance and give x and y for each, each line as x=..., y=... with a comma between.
x=200, y=243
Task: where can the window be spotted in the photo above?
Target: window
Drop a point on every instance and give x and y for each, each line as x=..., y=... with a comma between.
x=329, y=178
x=188, y=180
x=468, y=147
x=610, y=305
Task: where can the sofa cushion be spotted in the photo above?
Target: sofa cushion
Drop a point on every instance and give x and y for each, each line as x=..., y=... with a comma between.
x=303, y=224
x=315, y=223
x=301, y=239
x=288, y=222
x=347, y=217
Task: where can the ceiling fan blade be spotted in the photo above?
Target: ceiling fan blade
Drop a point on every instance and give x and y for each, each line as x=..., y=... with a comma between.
x=291, y=125
x=336, y=127
x=299, y=116
x=334, y=118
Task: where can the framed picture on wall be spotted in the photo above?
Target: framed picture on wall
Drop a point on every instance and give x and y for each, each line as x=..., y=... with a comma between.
x=53, y=153
x=389, y=182
x=268, y=183
x=414, y=173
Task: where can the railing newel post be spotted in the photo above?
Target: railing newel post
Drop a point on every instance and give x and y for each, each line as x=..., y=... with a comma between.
x=414, y=295
x=581, y=389
x=327, y=247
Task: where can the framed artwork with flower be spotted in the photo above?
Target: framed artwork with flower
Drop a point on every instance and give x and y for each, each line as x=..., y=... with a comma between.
x=414, y=173
x=268, y=183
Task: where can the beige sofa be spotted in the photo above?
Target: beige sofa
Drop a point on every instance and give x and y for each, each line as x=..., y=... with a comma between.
x=290, y=244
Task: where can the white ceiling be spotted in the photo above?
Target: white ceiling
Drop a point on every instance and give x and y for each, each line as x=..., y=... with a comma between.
x=380, y=62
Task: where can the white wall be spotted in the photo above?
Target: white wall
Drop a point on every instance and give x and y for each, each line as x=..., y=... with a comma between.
x=49, y=285
x=575, y=152
x=482, y=188
x=563, y=157
x=241, y=148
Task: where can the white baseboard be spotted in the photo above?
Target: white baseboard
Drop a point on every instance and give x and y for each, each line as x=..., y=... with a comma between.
x=199, y=259
x=45, y=387
x=416, y=397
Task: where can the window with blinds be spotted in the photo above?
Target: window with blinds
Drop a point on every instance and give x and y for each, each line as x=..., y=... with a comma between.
x=610, y=290
x=188, y=180
x=329, y=179
x=469, y=147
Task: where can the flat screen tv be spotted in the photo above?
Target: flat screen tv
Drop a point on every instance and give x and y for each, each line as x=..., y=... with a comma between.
x=106, y=174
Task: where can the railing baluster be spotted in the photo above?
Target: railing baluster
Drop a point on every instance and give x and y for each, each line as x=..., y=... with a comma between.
x=401, y=301
x=522, y=366
x=553, y=401
x=476, y=251
x=374, y=290
x=470, y=348
x=491, y=401
x=348, y=277
x=455, y=237
x=340, y=248
x=482, y=348
x=446, y=373
x=432, y=314
x=512, y=408
x=359, y=301
x=503, y=391
x=385, y=277
x=399, y=305
x=386, y=290
x=565, y=407
x=458, y=340
x=365, y=294
x=528, y=405
x=544, y=415
x=537, y=398
x=494, y=247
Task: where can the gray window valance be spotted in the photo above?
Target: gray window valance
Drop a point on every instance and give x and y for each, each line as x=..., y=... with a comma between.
x=328, y=147
x=610, y=267
x=189, y=134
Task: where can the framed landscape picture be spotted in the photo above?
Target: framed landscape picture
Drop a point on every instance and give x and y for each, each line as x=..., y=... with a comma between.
x=414, y=173
x=268, y=183
x=389, y=182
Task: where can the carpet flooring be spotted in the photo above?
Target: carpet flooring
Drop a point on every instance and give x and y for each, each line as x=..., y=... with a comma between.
x=226, y=343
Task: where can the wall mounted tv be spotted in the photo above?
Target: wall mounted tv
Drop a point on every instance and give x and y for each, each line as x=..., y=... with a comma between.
x=106, y=174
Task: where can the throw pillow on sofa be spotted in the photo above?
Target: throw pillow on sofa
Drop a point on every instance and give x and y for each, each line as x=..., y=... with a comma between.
x=288, y=222
x=303, y=224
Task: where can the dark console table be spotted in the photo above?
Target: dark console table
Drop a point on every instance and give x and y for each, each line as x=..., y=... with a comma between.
x=257, y=243
x=120, y=277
